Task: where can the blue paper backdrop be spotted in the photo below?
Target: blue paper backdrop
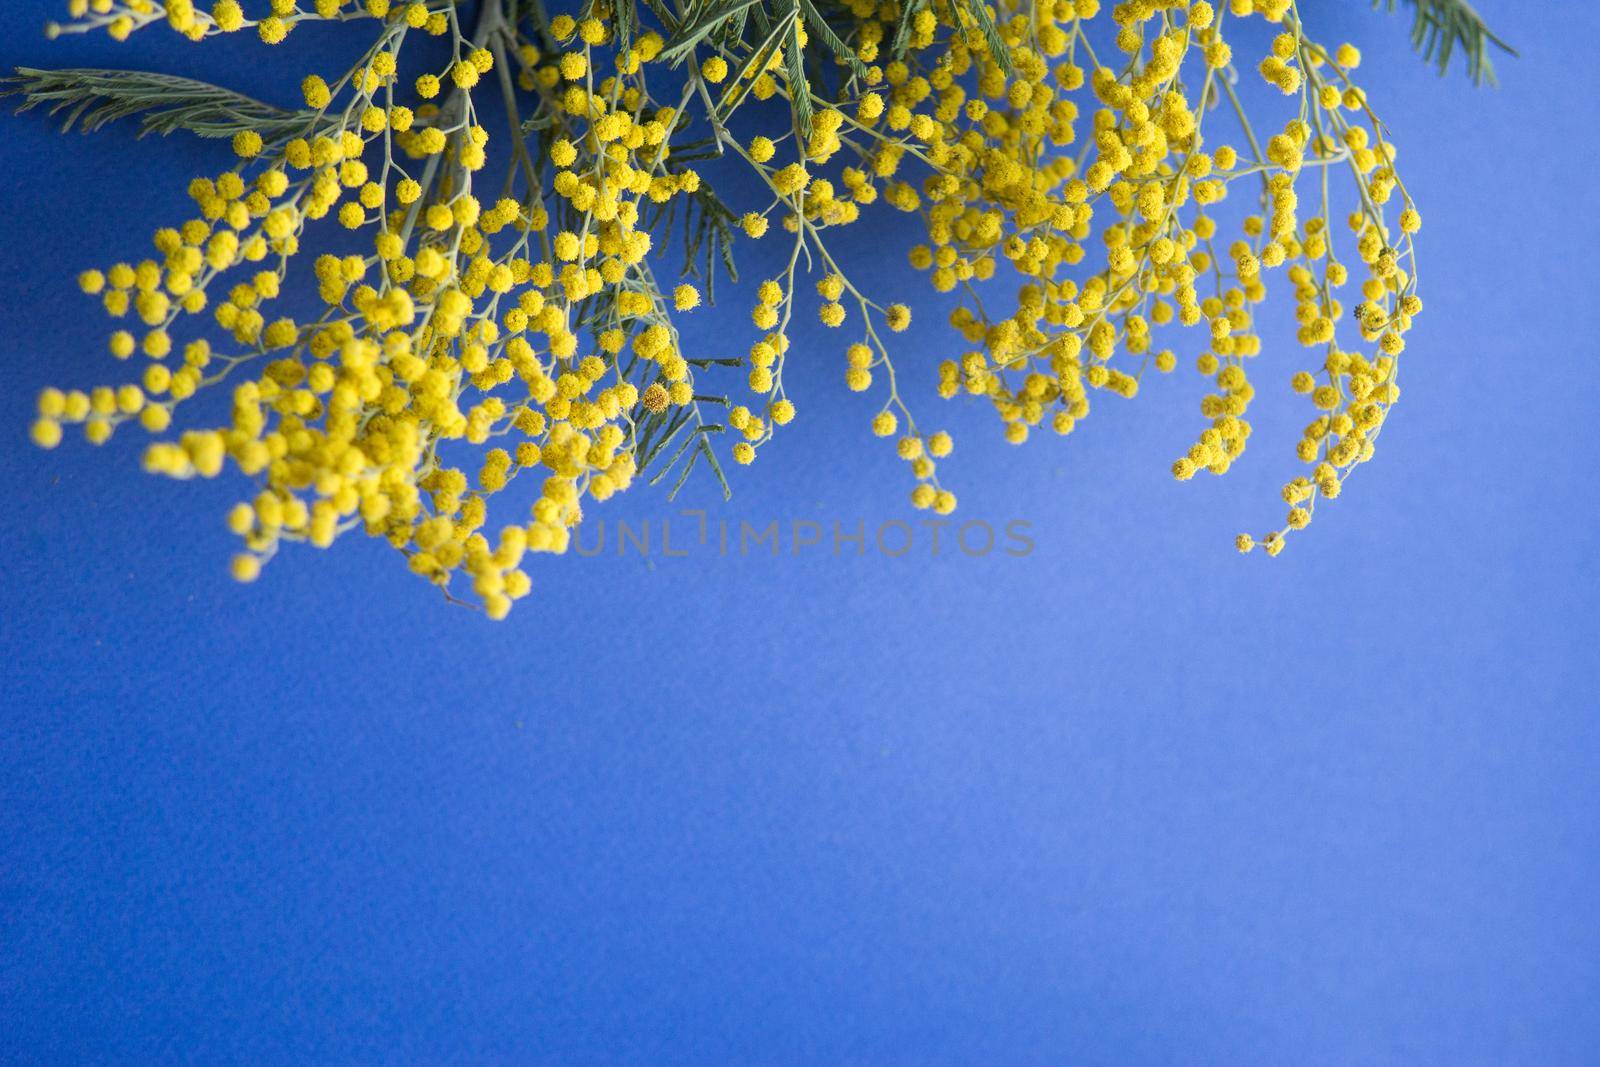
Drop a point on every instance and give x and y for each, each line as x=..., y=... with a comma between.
x=1128, y=799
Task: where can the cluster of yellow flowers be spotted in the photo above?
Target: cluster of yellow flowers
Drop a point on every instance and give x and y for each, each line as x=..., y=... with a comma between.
x=529, y=322
x=1006, y=178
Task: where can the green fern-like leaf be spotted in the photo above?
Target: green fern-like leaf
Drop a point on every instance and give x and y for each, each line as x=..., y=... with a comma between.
x=1441, y=28
x=163, y=103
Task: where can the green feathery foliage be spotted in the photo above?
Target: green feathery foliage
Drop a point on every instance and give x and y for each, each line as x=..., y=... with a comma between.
x=164, y=103
x=1441, y=28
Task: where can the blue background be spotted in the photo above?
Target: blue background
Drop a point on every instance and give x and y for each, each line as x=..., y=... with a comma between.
x=1130, y=799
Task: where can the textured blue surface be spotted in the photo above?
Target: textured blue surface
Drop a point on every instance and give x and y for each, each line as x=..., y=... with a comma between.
x=1128, y=799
